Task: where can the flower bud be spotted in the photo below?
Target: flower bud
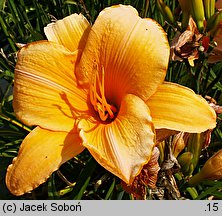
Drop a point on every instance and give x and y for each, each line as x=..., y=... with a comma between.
x=212, y=169
x=166, y=12
x=179, y=143
x=197, y=12
x=161, y=147
x=209, y=8
x=213, y=23
x=195, y=145
x=185, y=161
x=184, y=4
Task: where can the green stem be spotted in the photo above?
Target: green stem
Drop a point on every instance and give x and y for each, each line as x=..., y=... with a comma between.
x=64, y=178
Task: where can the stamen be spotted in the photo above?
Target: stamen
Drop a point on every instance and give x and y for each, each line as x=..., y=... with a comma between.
x=98, y=99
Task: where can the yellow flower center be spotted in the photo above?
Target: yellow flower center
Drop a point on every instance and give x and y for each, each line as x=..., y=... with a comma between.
x=98, y=99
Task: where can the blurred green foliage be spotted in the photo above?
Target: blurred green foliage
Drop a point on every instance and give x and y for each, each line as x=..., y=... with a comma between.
x=22, y=21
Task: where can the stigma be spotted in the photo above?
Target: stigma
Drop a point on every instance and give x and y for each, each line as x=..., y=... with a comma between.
x=97, y=96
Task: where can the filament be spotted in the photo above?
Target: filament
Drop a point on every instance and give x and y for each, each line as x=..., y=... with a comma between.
x=97, y=96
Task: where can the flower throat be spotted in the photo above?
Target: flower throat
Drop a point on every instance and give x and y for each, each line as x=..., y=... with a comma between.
x=98, y=99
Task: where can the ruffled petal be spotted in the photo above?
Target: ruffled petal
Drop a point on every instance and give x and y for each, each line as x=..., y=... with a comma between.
x=124, y=145
x=176, y=107
x=133, y=52
x=45, y=89
x=41, y=153
x=71, y=32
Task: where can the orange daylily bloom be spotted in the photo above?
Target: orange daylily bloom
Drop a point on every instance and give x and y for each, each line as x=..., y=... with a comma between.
x=99, y=88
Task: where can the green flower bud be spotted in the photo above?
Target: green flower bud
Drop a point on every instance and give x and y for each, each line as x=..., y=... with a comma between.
x=197, y=12
x=195, y=145
x=209, y=8
x=166, y=12
x=212, y=169
x=212, y=23
x=185, y=161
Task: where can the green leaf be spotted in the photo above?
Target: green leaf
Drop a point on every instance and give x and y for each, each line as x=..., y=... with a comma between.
x=110, y=191
x=83, y=179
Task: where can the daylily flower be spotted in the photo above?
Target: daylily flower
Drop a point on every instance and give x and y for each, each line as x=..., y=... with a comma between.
x=99, y=88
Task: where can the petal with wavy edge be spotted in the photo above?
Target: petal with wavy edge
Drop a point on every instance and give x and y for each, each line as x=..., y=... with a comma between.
x=134, y=53
x=124, y=145
x=41, y=153
x=176, y=107
x=71, y=32
x=45, y=89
